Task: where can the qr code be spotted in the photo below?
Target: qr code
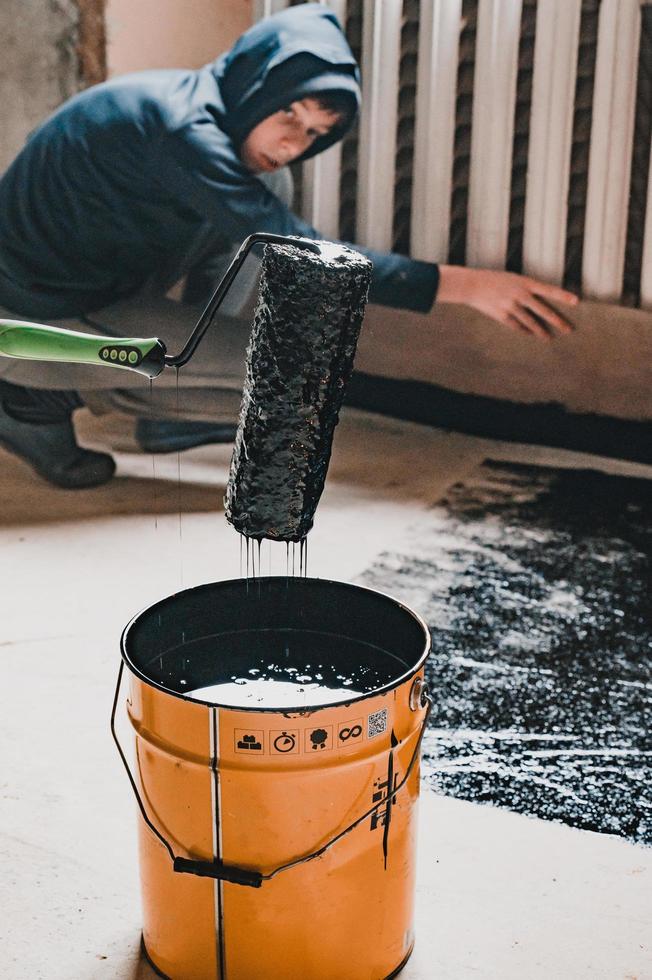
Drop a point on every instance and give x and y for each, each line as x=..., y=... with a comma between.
x=377, y=723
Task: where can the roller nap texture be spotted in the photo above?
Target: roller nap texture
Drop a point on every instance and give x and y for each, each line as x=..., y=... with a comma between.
x=299, y=359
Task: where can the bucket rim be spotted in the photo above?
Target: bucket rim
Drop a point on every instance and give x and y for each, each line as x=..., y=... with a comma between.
x=285, y=709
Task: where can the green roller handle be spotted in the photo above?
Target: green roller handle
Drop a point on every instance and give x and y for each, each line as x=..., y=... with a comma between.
x=38, y=342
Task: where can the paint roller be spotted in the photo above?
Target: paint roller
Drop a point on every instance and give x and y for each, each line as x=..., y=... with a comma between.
x=300, y=356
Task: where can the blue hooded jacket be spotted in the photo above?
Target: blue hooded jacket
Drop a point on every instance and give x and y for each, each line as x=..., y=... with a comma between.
x=131, y=175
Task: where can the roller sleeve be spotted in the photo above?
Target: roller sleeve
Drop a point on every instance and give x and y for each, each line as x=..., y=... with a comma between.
x=299, y=359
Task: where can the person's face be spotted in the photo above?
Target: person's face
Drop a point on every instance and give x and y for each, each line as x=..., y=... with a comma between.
x=285, y=135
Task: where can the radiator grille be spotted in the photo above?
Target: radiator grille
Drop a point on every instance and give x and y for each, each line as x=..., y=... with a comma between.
x=585, y=229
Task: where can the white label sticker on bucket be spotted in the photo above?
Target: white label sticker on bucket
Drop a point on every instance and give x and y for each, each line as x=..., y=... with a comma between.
x=377, y=723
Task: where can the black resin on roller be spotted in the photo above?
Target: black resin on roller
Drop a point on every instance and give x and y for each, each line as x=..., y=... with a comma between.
x=299, y=359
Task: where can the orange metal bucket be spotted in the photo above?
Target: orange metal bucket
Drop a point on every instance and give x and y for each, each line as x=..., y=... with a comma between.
x=276, y=843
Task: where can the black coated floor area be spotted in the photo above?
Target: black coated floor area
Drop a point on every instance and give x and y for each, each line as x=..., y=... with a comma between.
x=536, y=585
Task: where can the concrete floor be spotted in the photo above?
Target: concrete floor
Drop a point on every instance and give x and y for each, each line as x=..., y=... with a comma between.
x=500, y=896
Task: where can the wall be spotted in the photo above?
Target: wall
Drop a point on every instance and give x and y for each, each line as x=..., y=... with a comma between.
x=39, y=65
x=53, y=48
x=171, y=33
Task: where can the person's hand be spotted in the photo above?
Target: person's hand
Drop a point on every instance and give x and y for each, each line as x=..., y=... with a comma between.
x=517, y=302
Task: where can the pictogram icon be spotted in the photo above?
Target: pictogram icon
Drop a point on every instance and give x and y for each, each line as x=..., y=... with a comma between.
x=249, y=741
x=285, y=742
x=350, y=732
x=318, y=739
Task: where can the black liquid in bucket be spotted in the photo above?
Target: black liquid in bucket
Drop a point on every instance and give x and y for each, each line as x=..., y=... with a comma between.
x=279, y=668
x=276, y=643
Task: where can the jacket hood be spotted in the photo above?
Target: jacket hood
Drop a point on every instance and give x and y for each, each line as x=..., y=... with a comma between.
x=299, y=52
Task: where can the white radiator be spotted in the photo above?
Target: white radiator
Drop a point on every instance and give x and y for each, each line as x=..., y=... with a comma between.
x=609, y=223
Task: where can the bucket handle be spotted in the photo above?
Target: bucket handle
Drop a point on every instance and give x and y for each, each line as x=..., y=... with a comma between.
x=244, y=876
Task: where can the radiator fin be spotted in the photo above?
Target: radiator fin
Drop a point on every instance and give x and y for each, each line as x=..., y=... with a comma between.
x=550, y=138
x=405, y=128
x=349, y=163
x=582, y=119
x=462, y=142
x=514, y=259
x=639, y=184
x=434, y=131
x=381, y=34
x=492, y=132
x=320, y=176
x=610, y=154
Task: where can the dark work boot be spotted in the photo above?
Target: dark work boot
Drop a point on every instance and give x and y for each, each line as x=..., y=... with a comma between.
x=50, y=447
x=164, y=436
